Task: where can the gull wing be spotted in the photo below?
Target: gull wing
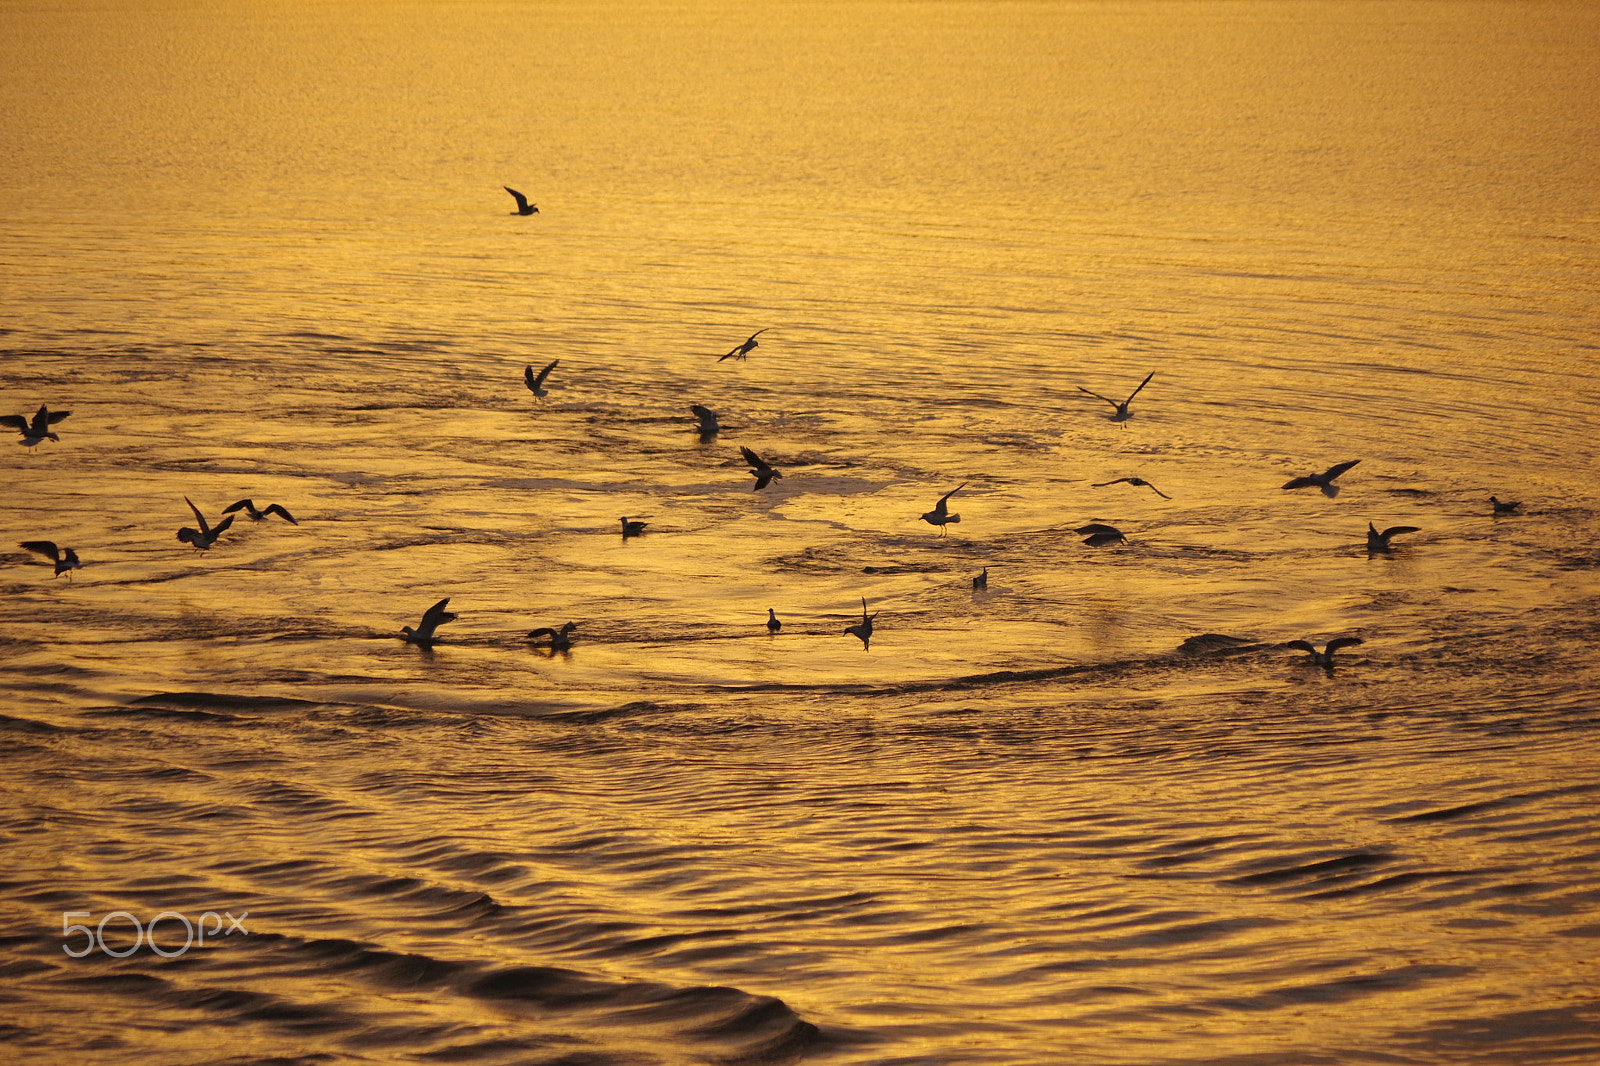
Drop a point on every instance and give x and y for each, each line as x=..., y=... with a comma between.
x=242, y=505
x=760, y=464
x=16, y=422
x=1334, y=471
x=1095, y=529
x=1342, y=642
x=1303, y=645
x=522, y=201
x=46, y=548
x=940, y=505
x=534, y=381
x=205, y=528
x=707, y=417
x=1097, y=396
x=1394, y=531
x=56, y=416
x=1135, y=392
x=279, y=509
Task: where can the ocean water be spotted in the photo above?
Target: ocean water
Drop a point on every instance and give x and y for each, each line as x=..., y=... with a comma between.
x=1094, y=813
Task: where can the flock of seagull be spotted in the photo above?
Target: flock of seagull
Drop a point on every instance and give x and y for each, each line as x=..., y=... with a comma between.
x=37, y=429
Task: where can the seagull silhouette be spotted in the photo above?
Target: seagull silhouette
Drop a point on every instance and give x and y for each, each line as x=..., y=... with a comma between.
x=940, y=515
x=249, y=508
x=1324, y=658
x=38, y=430
x=742, y=350
x=1123, y=414
x=432, y=619
x=1379, y=542
x=206, y=535
x=1098, y=534
x=1504, y=506
x=536, y=381
x=523, y=206
x=1135, y=481
x=66, y=559
x=1323, y=481
x=632, y=529
x=560, y=639
x=864, y=628
x=763, y=471
x=709, y=426
x=773, y=625
x=981, y=582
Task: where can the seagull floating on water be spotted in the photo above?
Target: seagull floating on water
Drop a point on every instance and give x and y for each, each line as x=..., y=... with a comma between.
x=523, y=206
x=207, y=534
x=762, y=470
x=709, y=426
x=981, y=582
x=742, y=350
x=632, y=528
x=1098, y=534
x=1135, y=481
x=432, y=619
x=1323, y=481
x=1324, y=658
x=1123, y=414
x=536, y=381
x=1505, y=506
x=66, y=559
x=773, y=625
x=249, y=508
x=864, y=628
x=560, y=639
x=1379, y=542
x=940, y=515
x=38, y=430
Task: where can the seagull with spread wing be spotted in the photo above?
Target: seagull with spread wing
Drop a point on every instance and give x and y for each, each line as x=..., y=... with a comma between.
x=1135, y=481
x=207, y=534
x=523, y=206
x=536, y=381
x=762, y=470
x=1323, y=481
x=1123, y=414
x=66, y=559
x=1324, y=658
x=742, y=350
x=38, y=430
x=432, y=619
x=940, y=515
x=256, y=515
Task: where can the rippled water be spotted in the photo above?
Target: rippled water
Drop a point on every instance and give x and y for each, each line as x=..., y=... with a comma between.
x=263, y=252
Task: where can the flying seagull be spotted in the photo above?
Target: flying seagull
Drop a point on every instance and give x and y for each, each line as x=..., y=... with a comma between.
x=38, y=430
x=66, y=559
x=432, y=619
x=1098, y=534
x=1323, y=481
x=763, y=471
x=249, y=508
x=633, y=528
x=1324, y=658
x=940, y=515
x=523, y=206
x=1504, y=506
x=981, y=582
x=1123, y=414
x=536, y=381
x=773, y=625
x=206, y=535
x=709, y=426
x=742, y=350
x=560, y=639
x=1379, y=542
x=864, y=629
x=1135, y=481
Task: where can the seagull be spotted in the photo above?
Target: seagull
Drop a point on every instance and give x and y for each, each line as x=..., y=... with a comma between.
x=1123, y=414
x=709, y=426
x=1504, y=506
x=1099, y=534
x=1379, y=542
x=1323, y=481
x=249, y=508
x=763, y=471
x=864, y=629
x=432, y=619
x=66, y=559
x=560, y=640
x=632, y=529
x=773, y=625
x=981, y=582
x=940, y=515
x=1324, y=658
x=742, y=350
x=207, y=535
x=523, y=206
x=536, y=381
x=38, y=430
x=1135, y=481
